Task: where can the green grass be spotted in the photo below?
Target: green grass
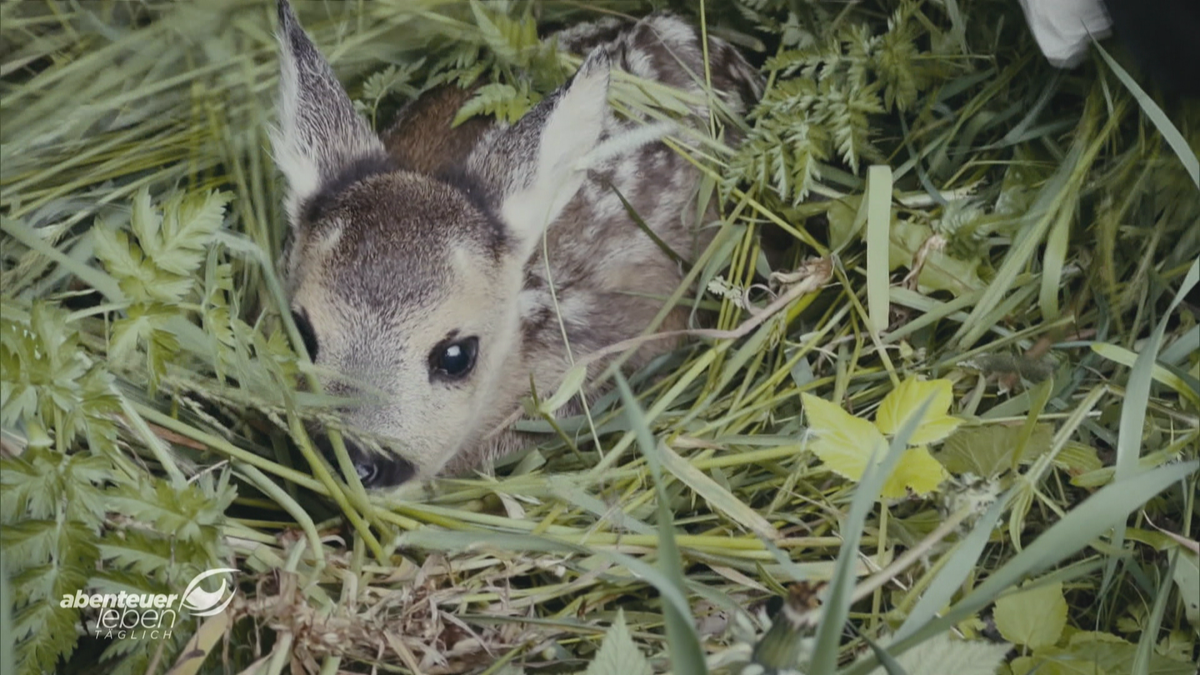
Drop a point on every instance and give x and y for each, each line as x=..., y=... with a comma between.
x=919, y=196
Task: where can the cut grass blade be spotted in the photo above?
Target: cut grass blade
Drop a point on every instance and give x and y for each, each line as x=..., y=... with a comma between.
x=1157, y=117
x=718, y=497
x=1118, y=354
x=1148, y=642
x=687, y=657
x=879, y=228
x=1133, y=410
x=1053, y=262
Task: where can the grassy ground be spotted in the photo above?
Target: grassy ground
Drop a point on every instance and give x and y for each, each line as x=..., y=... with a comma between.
x=1019, y=274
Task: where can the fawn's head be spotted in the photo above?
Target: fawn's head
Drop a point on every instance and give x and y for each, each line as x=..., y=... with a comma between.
x=406, y=286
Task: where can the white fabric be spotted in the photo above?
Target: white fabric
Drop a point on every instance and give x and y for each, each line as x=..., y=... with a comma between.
x=1063, y=28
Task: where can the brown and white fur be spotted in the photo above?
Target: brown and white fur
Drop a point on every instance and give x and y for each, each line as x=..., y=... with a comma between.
x=408, y=250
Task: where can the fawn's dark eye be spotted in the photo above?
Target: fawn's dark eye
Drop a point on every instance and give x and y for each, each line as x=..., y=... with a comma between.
x=306, y=333
x=454, y=358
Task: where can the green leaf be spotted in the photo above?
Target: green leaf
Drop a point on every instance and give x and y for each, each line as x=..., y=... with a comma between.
x=1088, y=653
x=1034, y=617
x=189, y=223
x=619, y=654
x=946, y=654
x=987, y=451
x=30, y=540
x=122, y=258
x=499, y=99
x=188, y=514
x=1187, y=578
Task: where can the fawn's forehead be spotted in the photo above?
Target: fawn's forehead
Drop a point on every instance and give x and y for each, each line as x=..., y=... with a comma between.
x=395, y=239
x=376, y=211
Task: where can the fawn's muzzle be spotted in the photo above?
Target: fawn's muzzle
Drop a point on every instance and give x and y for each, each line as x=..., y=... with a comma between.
x=375, y=470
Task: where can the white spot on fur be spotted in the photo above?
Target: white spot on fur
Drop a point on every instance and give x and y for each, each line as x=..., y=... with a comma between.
x=640, y=65
x=673, y=31
x=530, y=300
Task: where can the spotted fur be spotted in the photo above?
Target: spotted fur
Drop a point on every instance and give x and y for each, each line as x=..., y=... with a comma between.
x=430, y=235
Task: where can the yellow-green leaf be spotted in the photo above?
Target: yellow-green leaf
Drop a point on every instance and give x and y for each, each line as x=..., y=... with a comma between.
x=903, y=401
x=1033, y=617
x=917, y=470
x=825, y=418
x=844, y=442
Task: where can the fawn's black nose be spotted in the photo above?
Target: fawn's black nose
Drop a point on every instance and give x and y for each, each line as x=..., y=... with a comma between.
x=375, y=469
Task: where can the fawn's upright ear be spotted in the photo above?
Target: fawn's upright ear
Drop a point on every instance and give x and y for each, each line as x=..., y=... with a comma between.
x=320, y=135
x=532, y=165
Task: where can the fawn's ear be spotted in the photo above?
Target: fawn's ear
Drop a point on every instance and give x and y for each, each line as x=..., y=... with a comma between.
x=532, y=164
x=319, y=135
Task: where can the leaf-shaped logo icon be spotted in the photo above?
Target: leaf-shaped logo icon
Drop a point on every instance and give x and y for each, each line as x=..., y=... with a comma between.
x=200, y=602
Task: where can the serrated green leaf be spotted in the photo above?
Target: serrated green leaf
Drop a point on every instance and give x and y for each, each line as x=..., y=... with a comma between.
x=503, y=100
x=1187, y=578
x=137, y=551
x=190, y=222
x=987, y=451
x=618, y=654
x=840, y=430
x=1034, y=617
x=28, y=541
x=122, y=258
x=946, y=654
x=1093, y=652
